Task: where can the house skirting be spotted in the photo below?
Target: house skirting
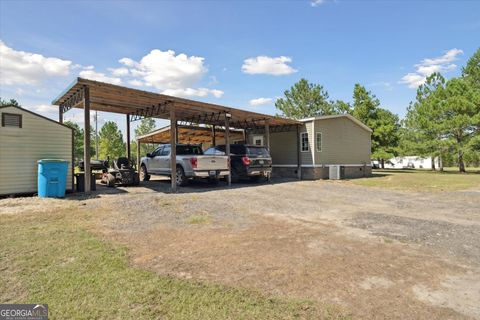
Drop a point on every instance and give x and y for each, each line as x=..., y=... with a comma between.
x=315, y=172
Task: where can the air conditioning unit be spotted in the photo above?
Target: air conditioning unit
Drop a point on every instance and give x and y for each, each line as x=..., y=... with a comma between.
x=336, y=172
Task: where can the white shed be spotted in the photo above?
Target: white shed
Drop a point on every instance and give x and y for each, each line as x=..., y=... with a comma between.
x=25, y=138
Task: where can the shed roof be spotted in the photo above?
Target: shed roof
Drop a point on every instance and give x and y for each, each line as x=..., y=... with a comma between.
x=35, y=114
x=337, y=116
x=138, y=104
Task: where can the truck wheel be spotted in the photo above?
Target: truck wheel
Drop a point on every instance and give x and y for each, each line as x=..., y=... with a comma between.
x=144, y=176
x=181, y=178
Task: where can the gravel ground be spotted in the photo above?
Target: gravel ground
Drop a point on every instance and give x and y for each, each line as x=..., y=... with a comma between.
x=381, y=254
x=457, y=240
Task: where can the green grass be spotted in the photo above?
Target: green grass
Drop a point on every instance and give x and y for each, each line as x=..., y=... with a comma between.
x=422, y=180
x=199, y=219
x=53, y=258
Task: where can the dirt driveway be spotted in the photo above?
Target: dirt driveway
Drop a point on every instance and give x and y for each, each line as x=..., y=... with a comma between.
x=374, y=253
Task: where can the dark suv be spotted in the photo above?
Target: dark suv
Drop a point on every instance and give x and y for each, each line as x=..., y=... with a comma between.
x=247, y=161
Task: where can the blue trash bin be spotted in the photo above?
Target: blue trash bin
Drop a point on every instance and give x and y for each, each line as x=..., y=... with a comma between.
x=52, y=178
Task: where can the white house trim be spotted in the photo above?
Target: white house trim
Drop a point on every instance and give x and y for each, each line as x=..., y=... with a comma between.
x=350, y=117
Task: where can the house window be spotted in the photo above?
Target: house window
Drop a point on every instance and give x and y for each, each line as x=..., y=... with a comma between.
x=304, y=141
x=11, y=120
x=318, y=141
x=258, y=140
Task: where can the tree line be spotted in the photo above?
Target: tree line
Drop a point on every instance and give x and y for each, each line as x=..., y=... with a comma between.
x=442, y=122
x=110, y=140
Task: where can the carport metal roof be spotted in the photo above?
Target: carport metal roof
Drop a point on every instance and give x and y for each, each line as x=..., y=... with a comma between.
x=190, y=134
x=140, y=104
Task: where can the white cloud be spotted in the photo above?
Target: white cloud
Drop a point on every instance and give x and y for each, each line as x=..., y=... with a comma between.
x=45, y=110
x=316, y=3
x=119, y=72
x=430, y=65
x=136, y=83
x=260, y=101
x=189, y=92
x=276, y=66
x=166, y=70
x=98, y=76
x=25, y=68
x=78, y=117
x=42, y=108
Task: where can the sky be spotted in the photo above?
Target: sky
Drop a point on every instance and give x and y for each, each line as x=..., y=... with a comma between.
x=242, y=54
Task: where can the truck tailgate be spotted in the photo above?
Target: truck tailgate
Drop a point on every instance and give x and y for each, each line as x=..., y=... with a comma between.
x=212, y=162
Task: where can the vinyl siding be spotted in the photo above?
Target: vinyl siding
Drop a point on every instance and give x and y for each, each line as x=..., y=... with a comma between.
x=343, y=142
x=283, y=148
x=20, y=148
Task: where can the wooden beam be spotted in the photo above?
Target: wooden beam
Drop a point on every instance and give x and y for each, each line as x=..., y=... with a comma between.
x=128, y=136
x=173, y=150
x=114, y=98
x=86, y=139
x=60, y=114
x=138, y=156
x=214, y=142
x=227, y=149
x=267, y=136
x=176, y=131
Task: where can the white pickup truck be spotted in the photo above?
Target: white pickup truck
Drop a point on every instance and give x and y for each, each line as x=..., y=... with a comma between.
x=191, y=163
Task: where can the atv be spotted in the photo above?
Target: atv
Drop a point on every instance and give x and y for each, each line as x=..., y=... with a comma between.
x=120, y=173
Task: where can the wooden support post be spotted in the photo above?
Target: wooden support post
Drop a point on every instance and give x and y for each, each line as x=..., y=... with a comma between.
x=227, y=148
x=86, y=139
x=128, y=137
x=138, y=156
x=214, y=143
x=244, y=131
x=267, y=135
x=299, y=157
x=60, y=114
x=176, y=132
x=173, y=149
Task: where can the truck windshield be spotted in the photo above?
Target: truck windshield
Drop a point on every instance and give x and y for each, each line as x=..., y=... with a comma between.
x=189, y=150
x=258, y=151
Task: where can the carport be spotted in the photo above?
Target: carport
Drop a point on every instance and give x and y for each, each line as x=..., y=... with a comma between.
x=138, y=104
x=187, y=134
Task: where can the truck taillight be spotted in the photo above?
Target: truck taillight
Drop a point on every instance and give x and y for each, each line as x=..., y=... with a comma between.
x=194, y=161
x=246, y=160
